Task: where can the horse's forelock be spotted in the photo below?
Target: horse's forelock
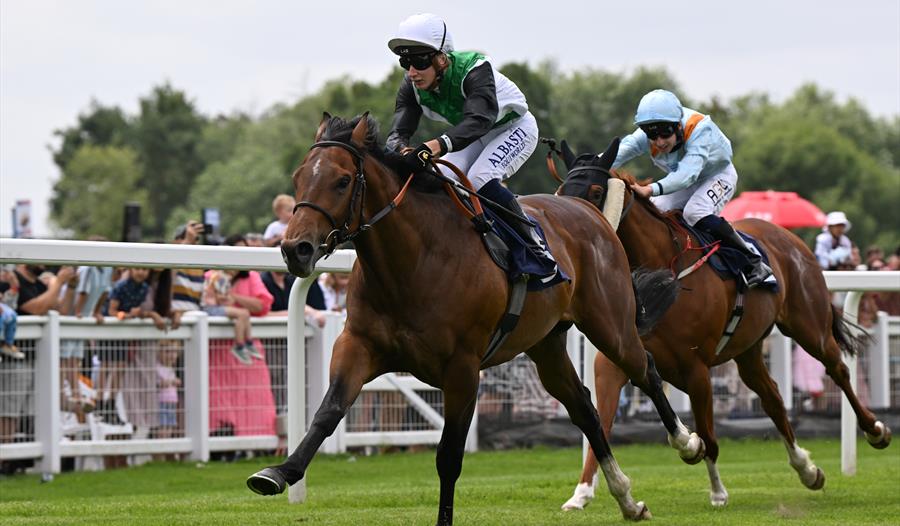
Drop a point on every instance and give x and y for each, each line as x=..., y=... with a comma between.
x=340, y=129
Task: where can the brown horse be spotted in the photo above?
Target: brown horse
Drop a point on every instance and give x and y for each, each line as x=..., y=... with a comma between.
x=424, y=298
x=684, y=343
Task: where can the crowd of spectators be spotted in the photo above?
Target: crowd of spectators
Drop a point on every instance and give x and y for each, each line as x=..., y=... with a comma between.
x=835, y=250
x=93, y=377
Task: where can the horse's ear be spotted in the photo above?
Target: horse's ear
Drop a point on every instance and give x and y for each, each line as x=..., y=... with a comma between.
x=568, y=156
x=325, y=118
x=361, y=130
x=608, y=157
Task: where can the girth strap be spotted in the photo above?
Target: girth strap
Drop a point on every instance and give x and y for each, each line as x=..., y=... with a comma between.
x=508, y=322
x=736, y=315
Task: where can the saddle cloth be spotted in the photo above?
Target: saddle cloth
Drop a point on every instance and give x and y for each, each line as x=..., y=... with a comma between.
x=519, y=260
x=728, y=262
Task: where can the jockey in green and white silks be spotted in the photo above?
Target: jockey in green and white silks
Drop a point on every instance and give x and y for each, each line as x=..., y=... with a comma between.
x=490, y=131
x=696, y=158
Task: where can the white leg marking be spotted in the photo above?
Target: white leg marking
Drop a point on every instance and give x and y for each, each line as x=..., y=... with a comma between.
x=718, y=495
x=802, y=463
x=874, y=439
x=687, y=443
x=620, y=488
x=584, y=494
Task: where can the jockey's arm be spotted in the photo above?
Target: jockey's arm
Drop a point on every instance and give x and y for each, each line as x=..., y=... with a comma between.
x=479, y=110
x=407, y=113
x=696, y=155
x=631, y=146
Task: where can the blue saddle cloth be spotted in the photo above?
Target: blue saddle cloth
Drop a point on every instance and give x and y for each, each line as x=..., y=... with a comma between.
x=543, y=272
x=727, y=261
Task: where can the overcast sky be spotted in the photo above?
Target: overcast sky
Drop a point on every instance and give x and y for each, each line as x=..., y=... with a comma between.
x=55, y=56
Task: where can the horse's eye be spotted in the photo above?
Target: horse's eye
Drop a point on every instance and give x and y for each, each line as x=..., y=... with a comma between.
x=344, y=182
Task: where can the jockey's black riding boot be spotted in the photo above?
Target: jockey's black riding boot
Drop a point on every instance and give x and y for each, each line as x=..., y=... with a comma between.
x=496, y=192
x=756, y=270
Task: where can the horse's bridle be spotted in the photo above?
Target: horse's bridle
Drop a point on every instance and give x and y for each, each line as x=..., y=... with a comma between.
x=605, y=185
x=339, y=236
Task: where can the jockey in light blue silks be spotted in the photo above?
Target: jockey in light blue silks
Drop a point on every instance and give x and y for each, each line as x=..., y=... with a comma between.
x=696, y=157
x=490, y=131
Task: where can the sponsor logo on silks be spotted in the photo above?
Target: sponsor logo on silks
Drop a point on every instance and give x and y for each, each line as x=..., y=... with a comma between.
x=718, y=191
x=512, y=145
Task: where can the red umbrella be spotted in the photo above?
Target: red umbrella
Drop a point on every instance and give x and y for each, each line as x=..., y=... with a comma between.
x=785, y=209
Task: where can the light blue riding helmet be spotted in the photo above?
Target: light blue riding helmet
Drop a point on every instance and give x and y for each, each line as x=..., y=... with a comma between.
x=658, y=105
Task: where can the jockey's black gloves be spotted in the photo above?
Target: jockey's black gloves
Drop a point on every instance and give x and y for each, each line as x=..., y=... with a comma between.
x=418, y=159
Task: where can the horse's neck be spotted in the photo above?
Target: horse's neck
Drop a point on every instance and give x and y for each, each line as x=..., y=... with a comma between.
x=646, y=237
x=391, y=250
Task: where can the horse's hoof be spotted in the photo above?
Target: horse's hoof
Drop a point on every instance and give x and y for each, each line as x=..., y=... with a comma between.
x=268, y=481
x=642, y=513
x=700, y=455
x=819, y=483
x=718, y=500
x=883, y=439
x=584, y=494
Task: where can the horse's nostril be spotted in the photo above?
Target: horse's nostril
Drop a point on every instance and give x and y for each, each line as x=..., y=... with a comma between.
x=304, y=250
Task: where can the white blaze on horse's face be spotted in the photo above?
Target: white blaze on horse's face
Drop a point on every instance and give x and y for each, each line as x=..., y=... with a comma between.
x=316, y=167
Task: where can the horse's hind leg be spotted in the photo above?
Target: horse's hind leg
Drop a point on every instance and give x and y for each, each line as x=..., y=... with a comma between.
x=816, y=338
x=561, y=381
x=752, y=369
x=609, y=381
x=351, y=366
x=460, y=383
x=623, y=347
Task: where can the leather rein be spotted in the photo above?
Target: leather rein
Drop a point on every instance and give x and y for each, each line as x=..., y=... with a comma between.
x=339, y=236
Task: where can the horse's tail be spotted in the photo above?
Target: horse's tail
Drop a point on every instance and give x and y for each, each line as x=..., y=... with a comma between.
x=850, y=337
x=655, y=291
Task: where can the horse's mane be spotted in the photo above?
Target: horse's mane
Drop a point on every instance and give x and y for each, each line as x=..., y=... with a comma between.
x=340, y=130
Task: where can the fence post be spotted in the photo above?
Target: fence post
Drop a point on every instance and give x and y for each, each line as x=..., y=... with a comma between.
x=47, y=423
x=848, y=417
x=296, y=373
x=781, y=366
x=196, y=387
x=880, y=364
x=318, y=364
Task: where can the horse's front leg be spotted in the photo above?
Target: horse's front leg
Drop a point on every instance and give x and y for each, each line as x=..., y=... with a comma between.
x=352, y=365
x=460, y=385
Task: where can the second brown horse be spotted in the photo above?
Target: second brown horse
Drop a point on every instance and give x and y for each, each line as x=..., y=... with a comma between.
x=684, y=343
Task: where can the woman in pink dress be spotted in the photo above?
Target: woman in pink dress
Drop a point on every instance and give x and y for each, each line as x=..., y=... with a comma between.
x=240, y=396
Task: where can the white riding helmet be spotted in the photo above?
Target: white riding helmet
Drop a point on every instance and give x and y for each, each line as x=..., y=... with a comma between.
x=658, y=106
x=837, y=218
x=421, y=31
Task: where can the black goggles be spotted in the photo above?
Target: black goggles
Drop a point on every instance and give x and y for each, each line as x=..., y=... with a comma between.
x=659, y=129
x=421, y=61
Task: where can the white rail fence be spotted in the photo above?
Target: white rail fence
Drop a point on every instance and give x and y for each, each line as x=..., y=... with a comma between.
x=299, y=366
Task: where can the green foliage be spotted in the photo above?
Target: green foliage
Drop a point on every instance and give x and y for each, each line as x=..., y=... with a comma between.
x=99, y=181
x=834, y=153
x=812, y=146
x=167, y=135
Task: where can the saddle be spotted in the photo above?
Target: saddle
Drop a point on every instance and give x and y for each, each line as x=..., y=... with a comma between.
x=525, y=270
x=726, y=261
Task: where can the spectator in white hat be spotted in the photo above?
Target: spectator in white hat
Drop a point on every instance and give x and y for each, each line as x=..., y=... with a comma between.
x=833, y=248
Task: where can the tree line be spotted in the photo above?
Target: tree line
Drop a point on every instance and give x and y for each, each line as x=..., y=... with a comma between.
x=173, y=160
